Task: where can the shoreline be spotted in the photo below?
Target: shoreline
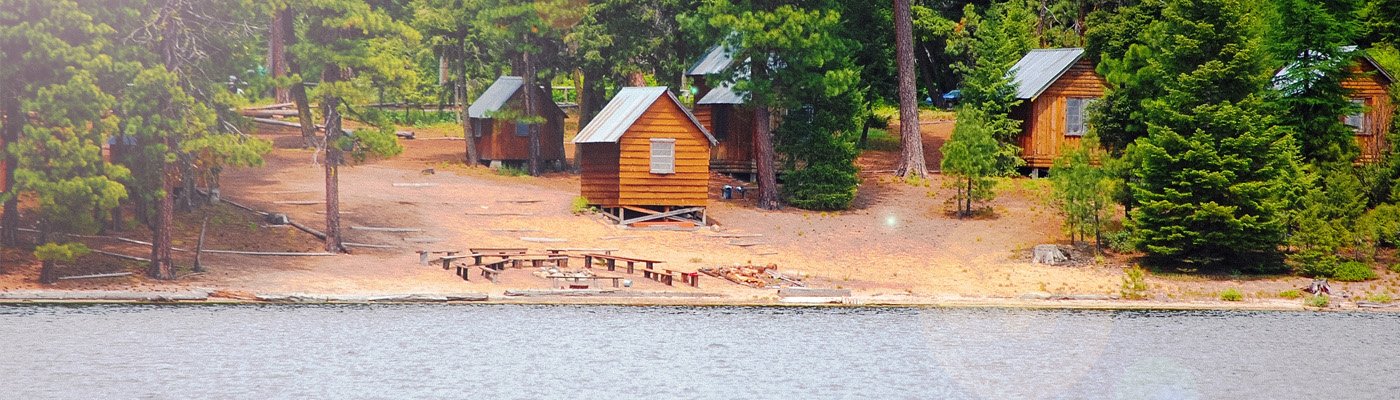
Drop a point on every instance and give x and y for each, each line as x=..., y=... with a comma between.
x=658, y=299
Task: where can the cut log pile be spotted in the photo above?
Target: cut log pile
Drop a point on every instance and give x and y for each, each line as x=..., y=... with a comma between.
x=753, y=276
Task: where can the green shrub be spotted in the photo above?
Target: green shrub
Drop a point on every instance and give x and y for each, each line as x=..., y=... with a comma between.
x=1395, y=267
x=1319, y=301
x=1134, y=283
x=822, y=187
x=580, y=206
x=507, y=170
x=1231, y=294
x=1379, y=297
x=1291, y=294
x=1354, y=271
x=1316, y=264
x=63, y=253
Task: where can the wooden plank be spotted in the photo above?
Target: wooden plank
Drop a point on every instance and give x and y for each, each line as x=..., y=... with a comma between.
x=384, y=229
x=661, y=215
x=270, y=253
x=94, y=276
x=543, y=239
x=300, y=202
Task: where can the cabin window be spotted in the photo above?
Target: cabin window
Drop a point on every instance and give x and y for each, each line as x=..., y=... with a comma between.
x=720, y=122
x=1357, y=121
x=1075, y=118
x=476, y=127
x=522, y=129
x=663, y=156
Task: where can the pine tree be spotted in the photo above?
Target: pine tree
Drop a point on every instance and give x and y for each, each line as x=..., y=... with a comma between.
x=911, y=142
x=1212, y=173
x=971, y=157
x=992, y=45
x=1083, y=191
x=1314, y=40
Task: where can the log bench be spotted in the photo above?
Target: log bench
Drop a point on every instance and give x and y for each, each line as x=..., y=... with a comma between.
x=502, y=252
x=691, y=278
x=447, y=260
x=465, y=271
x=491, y=272
x=538, y=260
x=611, y=261
x=559, y=280
x=579, y=250
x=423, y=254
x=659, y=276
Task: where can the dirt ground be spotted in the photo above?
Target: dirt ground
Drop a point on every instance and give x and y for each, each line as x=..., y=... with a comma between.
x=898, y=242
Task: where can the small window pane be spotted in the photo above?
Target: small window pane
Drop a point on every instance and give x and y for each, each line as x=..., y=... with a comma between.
x=522, y=129
x=663, y=156
x=1357, y=121
x=1074, y=116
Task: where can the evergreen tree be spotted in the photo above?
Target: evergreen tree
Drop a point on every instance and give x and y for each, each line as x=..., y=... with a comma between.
x=816, y=140
x=1212, y=173
x=992, y=45
x=1314, y=38
x=970, y=158
x=1083, y=191
x=60, y=159
x=1119, y=41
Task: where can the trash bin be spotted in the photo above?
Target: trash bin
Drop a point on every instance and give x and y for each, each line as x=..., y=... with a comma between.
x=742, y=192
x=727, y=193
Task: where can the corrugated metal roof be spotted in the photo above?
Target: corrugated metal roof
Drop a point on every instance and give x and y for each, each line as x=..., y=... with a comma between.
x=624, y=109
x=724, y=94
x=495, y=96
x=1041, y=67
x=715, y=61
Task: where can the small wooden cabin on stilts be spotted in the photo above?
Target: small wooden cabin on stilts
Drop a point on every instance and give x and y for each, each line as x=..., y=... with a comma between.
x=645, y=160
x=1056, y=87
x=501, y=138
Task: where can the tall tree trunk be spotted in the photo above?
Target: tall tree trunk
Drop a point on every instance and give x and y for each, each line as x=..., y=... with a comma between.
x=865, y=125
x=763, y=153
x=532, y=110
x=333, y=159
x=911, y=155
x=162, y=264
x=298, y=89
x=14, y=121
x=186, y=168
x=473, y=156
x=1040, y=23
x=277, y=51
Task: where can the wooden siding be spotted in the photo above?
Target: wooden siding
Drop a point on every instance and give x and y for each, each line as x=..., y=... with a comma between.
x=631, y=163
x=498, y=140
x=598, y=173
x=1368, y=84
x=735, y=150
x=1043, y=129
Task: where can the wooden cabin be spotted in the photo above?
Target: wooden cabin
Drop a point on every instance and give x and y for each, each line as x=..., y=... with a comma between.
x=1056, y=87
x=1369, y=87
x=645, y=159
x=725, y=114
x=503, y=140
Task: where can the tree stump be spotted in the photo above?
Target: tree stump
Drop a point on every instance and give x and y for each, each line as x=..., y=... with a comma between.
x=1048, y=254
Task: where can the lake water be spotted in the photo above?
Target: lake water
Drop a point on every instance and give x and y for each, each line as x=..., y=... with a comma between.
x=598, y=352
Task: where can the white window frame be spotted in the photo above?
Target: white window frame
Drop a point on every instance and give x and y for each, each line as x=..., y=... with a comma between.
x=663, y=156
x=1358, y=120
x=1083, y=116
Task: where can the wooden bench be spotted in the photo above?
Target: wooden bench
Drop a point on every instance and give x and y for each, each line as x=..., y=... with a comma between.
x=691, y=278
x=611, y=261
x=538, y=260
x=502, y=252
x=447, y=260
x=465, y=271
x=423, y=254
x=491, y=272
x=580, y=250
x=560, y=279
x=659, y=276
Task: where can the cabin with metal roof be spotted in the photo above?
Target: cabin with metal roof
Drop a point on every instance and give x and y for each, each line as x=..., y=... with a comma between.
x=715, y=60
x=1056, y=87
x=725, y=114
x=500, y=136
x=644, y=159
x=1368, y=86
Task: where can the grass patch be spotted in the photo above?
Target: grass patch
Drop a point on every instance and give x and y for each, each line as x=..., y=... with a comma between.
x=1231, y=294
x=506, y=170
x=580, y=206
x=1319, y=301
x=882, y=140
x=1379, y=298
x=1291, y=294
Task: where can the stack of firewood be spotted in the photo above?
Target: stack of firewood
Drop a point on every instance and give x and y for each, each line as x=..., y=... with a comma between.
x=748, y=275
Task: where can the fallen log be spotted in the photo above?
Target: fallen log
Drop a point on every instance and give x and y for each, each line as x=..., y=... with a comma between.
x=371, y=246
x=307, y=229
x=94, y=276
x=122, y=256
x=384, y=229
x=270, y=253
x=300, y=202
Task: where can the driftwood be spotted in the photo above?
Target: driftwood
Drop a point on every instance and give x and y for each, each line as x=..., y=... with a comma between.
x=384, y=229
x=94, y=276
x=122, y=256
x=371, y=246
x=543, y=240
